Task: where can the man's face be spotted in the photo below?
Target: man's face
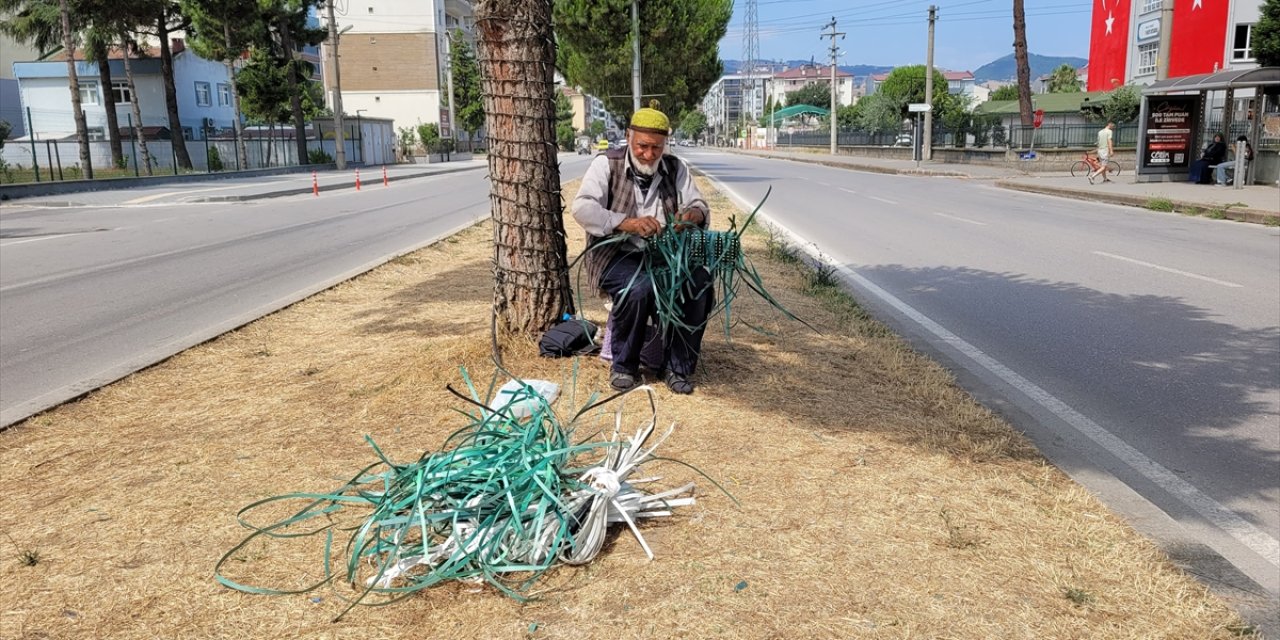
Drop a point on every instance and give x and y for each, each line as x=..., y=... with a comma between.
x=647, y=149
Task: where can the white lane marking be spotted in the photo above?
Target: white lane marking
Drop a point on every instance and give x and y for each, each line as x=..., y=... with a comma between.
x=26, y=240
x=1217, y=514
x=849, y=191
x=884, y=200
x=1168, y=269
x=184, y=192
x=947, y=215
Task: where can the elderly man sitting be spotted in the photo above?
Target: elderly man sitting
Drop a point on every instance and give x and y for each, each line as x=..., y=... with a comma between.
x=637, y=191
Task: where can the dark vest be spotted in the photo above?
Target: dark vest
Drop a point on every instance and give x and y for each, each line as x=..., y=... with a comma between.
x=622, y=199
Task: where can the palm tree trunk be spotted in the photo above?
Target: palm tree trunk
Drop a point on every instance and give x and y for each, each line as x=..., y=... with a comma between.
x=295, y=98
x=109, y=103
x=171, y=93
x=517, y=56
x=1020, y=58
x=235, y=97
x=137, y=110
x=73, y=82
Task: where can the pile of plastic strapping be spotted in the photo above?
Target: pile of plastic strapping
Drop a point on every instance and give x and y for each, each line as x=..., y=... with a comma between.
x=506, y=498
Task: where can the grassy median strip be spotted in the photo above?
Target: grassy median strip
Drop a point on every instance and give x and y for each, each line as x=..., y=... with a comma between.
x=878, y=499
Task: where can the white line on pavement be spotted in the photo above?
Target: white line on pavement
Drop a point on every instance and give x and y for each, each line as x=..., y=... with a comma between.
x=1168, y=269
x=184, y=192
x=849, y=191
x=26, y=240
x=1220, y=516
x=947, y=215
x=884, y=200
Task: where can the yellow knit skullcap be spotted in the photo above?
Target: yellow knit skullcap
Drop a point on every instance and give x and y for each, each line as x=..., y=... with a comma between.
x=650, y=120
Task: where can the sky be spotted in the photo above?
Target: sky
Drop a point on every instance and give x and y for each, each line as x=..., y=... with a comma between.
x=968, y=34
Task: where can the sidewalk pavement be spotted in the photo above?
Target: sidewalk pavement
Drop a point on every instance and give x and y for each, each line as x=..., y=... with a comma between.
x=1255, y=203
x=233, y=188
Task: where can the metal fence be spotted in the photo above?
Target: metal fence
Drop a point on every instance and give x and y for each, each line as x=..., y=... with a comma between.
x=213, y=151
x=997, y=136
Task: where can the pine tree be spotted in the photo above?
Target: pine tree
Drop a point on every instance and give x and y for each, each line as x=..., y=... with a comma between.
x=678, y=48
x=517, y=54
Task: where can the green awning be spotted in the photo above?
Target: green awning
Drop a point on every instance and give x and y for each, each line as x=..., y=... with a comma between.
x=796, y=110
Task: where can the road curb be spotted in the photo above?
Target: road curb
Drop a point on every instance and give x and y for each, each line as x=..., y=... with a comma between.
x=329, y=187
x=1244, y=214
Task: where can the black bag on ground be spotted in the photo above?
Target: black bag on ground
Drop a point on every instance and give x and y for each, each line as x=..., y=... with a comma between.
x=569, y=338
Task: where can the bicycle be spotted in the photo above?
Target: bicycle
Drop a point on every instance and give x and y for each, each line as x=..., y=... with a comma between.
x=1090, y=164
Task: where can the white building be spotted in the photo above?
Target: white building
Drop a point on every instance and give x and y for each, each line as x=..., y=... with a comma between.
x=203, y=93
x=789, y=80
x=394, y=58
x=730, y=98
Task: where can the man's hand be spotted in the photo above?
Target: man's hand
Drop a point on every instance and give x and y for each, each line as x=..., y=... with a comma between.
x=643, y=227
x=689, y=218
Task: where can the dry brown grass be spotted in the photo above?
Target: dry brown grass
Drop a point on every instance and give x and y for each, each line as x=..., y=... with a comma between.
x=877, y=499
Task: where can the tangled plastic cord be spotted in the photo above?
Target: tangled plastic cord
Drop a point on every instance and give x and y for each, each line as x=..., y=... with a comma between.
x=672, y=259
x=505, y=500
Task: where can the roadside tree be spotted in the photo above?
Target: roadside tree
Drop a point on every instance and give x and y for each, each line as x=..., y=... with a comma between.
x=1020, y=58
x=693, y=124
x=564, y=122
x=224, y=30
x=517, y=53
x=880, y=113
x=816, y=94
x=1007, y=92
x=678, y=49
x=1266, y=34
x=468, y=106
x=47, y=24
x=1064, y=80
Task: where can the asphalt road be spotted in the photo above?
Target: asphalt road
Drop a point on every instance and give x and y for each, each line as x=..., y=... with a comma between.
x=91, y=294
x=1140, y=351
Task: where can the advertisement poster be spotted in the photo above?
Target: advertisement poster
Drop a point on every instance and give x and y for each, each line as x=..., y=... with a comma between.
x=1171, y=124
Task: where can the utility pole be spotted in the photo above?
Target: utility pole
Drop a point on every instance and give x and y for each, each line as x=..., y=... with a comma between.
x=750, y=52
x=340, y=150
x=926, y=148
x=1166, y=38
x=832, y=120
x=635, y=56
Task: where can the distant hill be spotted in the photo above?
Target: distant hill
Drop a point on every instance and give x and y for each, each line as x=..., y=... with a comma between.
x=857, y=70
x=1007, y=69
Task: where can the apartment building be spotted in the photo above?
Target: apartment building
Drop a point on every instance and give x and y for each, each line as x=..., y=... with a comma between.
x=394, y=58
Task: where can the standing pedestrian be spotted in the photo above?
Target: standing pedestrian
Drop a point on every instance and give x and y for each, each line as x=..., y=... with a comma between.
x=1106, y=148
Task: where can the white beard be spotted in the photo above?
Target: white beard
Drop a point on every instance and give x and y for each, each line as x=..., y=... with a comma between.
x=642, y=168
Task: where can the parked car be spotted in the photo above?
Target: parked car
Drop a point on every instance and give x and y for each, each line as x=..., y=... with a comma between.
x=904, y=140
x=583, y=145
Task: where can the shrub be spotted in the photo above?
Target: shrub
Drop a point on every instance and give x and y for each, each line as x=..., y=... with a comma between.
x=215, y=159
x=443, y=146
x=428, y=133
x=318, y=156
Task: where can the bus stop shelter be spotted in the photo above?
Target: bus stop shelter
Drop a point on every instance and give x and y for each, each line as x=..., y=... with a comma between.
x=1179, y=115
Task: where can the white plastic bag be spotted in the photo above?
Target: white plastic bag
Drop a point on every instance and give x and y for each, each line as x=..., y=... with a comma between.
x=520, y=398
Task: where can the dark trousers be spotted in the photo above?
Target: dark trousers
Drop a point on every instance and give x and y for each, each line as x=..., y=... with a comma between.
x=634, y=306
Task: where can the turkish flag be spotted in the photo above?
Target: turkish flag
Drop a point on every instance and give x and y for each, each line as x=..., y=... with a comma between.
x=1109, y=44
x=1199, y=36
